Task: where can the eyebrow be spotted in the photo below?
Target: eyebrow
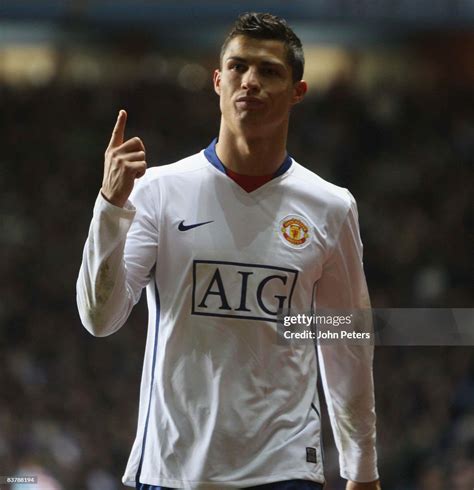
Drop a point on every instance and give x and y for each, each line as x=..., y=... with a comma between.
x=263, y=62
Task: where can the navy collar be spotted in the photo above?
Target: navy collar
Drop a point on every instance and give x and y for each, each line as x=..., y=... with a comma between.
x=211, y=155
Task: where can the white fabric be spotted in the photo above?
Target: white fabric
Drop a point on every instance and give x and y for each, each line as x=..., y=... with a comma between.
x=224, y=404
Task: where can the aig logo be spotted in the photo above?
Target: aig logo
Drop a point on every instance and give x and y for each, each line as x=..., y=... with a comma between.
x=246, y=291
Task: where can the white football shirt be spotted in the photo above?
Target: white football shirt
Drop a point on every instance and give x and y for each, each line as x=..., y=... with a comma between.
x=223, y=403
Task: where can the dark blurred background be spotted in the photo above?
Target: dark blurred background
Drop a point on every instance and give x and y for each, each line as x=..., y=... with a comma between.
x=390, y=115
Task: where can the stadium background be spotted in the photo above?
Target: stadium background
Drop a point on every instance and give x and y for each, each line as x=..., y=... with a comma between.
x=390, y=114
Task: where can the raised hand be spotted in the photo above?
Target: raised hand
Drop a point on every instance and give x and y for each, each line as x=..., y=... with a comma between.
x=124, y=162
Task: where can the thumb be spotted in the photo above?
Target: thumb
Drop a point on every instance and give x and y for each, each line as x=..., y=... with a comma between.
x=119, y=130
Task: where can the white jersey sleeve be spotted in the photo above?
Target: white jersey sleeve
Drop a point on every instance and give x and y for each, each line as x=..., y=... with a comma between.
x=346, y=370
x=115, y=268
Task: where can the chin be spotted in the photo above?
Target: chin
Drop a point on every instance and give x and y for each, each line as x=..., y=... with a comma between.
x=254, y=129
x=251, y=117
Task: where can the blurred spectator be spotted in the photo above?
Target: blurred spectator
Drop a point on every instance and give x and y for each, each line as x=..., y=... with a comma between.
x=69, y=400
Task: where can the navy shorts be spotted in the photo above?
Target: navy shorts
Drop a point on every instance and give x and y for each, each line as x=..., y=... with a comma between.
x=280, y=485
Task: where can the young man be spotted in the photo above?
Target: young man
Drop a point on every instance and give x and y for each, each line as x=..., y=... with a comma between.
x=223, y=241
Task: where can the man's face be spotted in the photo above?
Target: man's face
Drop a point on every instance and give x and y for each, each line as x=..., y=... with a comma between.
x=255, y=85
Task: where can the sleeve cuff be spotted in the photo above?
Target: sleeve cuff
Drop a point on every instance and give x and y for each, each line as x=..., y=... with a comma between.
x=361, y=471
x=111, y=223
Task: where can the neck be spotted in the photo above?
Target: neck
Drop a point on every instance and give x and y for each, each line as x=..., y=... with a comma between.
x=258, y=155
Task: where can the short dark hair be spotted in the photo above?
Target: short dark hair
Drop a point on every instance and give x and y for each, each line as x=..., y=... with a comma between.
x=268, y=26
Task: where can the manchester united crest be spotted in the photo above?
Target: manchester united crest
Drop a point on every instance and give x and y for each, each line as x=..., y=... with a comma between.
x=294, y=230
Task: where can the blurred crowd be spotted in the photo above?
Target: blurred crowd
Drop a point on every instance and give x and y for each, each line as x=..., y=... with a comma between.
x=69, y=401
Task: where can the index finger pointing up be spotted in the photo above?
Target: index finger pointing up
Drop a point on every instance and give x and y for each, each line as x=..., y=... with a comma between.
x=119, y=130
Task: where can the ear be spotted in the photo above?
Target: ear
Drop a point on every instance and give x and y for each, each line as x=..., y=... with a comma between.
x=299, y=90
x=217, y=81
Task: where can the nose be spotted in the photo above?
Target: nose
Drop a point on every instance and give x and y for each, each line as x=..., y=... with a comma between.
x=250, y=79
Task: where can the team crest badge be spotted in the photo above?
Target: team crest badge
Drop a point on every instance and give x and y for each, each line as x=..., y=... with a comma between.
x=294, y=230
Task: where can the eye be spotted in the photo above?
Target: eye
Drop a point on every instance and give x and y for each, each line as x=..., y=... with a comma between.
x=270, y=72
x=238, y=67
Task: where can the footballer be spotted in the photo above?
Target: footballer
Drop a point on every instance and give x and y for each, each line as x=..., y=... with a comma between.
x=223, y=241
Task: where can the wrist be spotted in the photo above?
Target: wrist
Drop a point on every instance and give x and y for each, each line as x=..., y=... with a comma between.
x=353, y=485
x=114, y=202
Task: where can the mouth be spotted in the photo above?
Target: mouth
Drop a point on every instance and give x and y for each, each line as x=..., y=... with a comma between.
x=249, y=103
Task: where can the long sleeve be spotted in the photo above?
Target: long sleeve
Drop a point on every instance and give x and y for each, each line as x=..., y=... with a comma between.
x=119, y=254
x=346, y=370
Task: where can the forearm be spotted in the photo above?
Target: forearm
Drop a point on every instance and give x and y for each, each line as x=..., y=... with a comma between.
x=346, y=373
x=104, y=301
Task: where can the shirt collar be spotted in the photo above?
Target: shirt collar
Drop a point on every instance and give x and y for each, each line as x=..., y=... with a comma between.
x=211, y=155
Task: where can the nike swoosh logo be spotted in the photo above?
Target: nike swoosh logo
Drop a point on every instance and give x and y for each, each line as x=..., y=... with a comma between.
x=183, y=227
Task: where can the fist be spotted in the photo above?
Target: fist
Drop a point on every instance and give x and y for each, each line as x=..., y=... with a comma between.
x=124, y=162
